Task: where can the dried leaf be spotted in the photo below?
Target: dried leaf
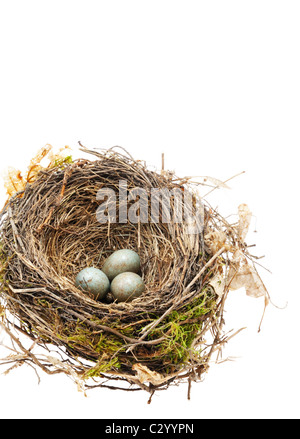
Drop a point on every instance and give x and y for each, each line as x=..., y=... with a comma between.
x=218, y=284
x=14, y=181
x=144, y=374
x=216, y=182
x=215, y=240
x=41, y=154
x=245, y=216
x=244, y=275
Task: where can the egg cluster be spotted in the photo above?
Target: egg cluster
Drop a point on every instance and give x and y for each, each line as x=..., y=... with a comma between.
x=119, y=275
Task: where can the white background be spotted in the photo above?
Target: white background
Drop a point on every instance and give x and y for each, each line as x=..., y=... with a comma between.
x=215, y=86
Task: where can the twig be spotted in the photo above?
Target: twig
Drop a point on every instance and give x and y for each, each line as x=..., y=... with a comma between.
x=184, y=297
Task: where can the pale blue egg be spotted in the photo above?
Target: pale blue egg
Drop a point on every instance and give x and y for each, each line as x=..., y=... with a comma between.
x=127, y=286
x=94, y=281
x=121, y=261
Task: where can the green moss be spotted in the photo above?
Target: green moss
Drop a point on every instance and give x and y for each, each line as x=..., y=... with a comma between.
x=108, y=344
x=101, y=367
x=107, y=347
x=63, y=161
x=180, y=329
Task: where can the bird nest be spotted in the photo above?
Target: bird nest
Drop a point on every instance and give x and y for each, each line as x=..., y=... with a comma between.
x=55, y=223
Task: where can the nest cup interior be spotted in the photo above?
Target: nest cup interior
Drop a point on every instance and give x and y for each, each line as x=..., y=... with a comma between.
x=75, y=239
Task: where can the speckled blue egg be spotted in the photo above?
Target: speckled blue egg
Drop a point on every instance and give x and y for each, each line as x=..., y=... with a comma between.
x=127, y=286
x=94, y=281
x=121, y=261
